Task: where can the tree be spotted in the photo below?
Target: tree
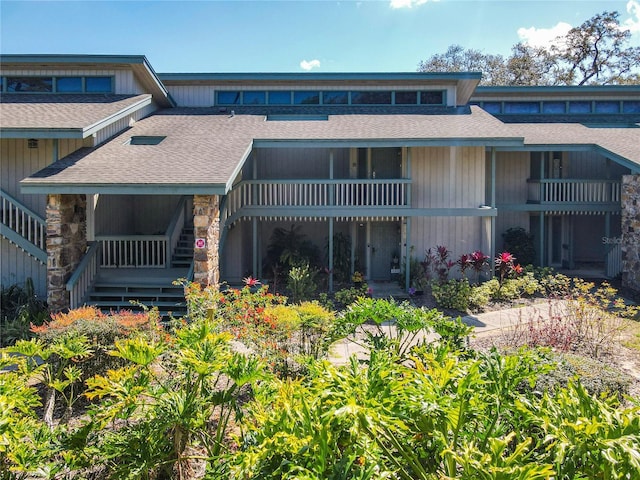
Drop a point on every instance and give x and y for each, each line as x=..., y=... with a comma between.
x=596, y=52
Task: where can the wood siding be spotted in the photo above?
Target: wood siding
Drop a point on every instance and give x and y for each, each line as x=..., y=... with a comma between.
x=134, y=214
x=512, y=171
x=591, y=165
x=16, y=266
x=123, y=123
x=299, y=163
x=193, y=95
x=448, y=177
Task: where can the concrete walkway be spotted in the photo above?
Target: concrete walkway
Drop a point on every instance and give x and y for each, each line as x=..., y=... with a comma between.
x=486, y=323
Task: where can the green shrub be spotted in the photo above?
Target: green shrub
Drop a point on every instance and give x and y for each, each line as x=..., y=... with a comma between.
x=596, y=377
x=452, y=294
x=347, y=296
x=19, y=309
x=301, y=283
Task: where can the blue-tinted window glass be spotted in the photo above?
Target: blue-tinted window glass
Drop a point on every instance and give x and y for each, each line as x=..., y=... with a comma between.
x=521, y=107
x=98, y=84
x=29, y=84
x=371, y=98
x=631, y=106
x=579, y=107
x=554, y=107
x=229, y=98
x=280, y=97
x=406, y=98
x=254, y=98
x=335, y=98
x=69, y=84
x=306, y=98
x=492, y=107
x=607, y=107
x=432, y=98
x=1, y=84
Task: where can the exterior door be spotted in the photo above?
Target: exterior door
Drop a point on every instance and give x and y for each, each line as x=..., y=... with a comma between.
x=385, y=243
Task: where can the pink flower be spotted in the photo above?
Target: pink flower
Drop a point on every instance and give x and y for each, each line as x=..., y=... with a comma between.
x=251, y=282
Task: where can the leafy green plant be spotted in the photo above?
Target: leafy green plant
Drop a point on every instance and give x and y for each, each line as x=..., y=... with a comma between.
x=289, y=248
x=20, y=308
x=454, y=294
x=301, y=283
x=347, y=296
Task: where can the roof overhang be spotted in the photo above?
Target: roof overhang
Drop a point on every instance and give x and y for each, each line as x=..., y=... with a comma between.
x=138, y=64
x=508, y=143
x=119, y=189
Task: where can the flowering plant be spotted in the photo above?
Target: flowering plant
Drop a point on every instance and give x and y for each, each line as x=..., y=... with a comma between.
x=357, y=277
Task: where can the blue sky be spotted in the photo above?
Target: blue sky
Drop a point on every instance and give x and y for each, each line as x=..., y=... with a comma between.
x=291, y=36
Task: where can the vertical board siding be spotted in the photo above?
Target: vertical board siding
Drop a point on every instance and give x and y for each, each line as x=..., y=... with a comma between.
x=299, y=163
x=134, y=214
x=18, y=162
x=445, y=177
x=592, y=165
x=122, y=124
x=16, y=266
x=512, y=171
x=193, y=95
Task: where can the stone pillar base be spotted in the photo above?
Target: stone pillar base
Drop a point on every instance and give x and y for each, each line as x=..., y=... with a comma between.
x=206, y=226
x=631, y=232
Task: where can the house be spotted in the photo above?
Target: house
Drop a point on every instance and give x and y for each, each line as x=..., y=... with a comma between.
x=111, y=171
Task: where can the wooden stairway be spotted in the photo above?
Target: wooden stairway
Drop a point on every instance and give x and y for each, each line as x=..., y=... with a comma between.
x=137, y=288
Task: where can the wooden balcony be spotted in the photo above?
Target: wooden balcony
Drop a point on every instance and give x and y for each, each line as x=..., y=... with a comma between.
x=298, y=195
x=574, y=191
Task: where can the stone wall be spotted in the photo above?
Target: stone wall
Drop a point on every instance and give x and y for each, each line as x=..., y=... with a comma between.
x=631, y=232
x=66, y=244
x=206, y=226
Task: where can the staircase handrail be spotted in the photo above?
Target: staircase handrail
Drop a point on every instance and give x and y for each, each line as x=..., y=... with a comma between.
x=613, y=261
x=175, y=228
x=84, y=275
x=32, y=217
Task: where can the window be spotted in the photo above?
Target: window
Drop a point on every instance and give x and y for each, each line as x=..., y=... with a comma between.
x=371, y=98
x=280, y=97
x=146, y=140
x=521, y=107
x=229, y=98
x=62, y=84
x=335, y=98
x=631, y=106
x=432, y=98
x=306, y=98
x=69, y=84
x=98, y=84
x=607, y=107
x=254, y=98
x=554, y=107
x=492, y=107
x=406, y=98
x=30, y=84
x=579, y=107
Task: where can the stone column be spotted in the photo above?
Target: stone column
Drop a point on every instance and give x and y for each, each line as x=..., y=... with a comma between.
x=631, y=232
x=66, y=244
x=206, y=229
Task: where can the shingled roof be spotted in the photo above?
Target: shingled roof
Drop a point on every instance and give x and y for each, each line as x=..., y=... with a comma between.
x=72, y=116
x=204, y=150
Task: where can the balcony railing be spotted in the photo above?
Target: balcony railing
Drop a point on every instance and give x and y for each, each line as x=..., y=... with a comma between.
x=319, y=193
x=574, y=191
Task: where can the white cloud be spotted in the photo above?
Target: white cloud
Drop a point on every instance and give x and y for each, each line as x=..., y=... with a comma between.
x=543, y=37
x=633, y=23
x=406, y=3
x=309, y=65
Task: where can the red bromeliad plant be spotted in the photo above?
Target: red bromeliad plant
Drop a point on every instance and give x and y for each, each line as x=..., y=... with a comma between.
x=506, y=266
